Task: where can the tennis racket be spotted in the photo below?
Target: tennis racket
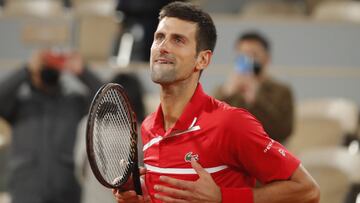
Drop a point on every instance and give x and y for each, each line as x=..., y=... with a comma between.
x=111, y=138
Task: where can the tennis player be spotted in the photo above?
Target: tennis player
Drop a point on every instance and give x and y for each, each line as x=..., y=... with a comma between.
x=198, y=149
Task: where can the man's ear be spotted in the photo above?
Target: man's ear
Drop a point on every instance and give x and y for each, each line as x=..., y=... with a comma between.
x=203, y=59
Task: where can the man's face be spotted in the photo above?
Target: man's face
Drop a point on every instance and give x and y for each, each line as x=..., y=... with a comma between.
x=173, y=52
x=253, y=49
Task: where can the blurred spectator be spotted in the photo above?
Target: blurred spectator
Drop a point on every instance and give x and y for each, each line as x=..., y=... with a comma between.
x=5, y=134
x=134, y=90
x=250, y=87
x=44, y=113
x=67, y=3
x=140, y=19
x=93, y=191
x=353, y=195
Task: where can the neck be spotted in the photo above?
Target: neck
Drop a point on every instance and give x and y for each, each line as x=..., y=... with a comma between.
x=174, y=99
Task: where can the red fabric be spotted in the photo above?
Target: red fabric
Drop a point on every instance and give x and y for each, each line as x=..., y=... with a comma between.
x=226, y=136
x=240, y=195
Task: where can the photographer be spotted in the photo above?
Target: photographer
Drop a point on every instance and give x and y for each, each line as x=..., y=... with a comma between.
x=44, y=113
x=250, y=87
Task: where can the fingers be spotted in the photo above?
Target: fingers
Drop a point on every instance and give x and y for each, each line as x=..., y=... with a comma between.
x=167, y=199
x=128, y=196
x=142, y=170
x=198, y=168
x=181, y=184
x=176, y=193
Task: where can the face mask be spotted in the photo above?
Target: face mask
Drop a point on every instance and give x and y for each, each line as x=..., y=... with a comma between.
x=50, y=76
x=247, y=65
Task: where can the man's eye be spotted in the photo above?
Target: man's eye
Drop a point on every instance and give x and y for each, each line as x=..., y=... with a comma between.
x=159, y=37
x=178, y=40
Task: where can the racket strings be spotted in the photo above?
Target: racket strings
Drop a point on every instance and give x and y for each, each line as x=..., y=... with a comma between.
x=113, y=141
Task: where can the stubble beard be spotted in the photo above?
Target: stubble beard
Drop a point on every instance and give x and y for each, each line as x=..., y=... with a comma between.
x=163, y=75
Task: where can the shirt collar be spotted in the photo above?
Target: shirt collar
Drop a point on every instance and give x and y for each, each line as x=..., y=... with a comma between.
x=191, y=111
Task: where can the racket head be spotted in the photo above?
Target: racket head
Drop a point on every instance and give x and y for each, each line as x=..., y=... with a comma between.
x=111, y=136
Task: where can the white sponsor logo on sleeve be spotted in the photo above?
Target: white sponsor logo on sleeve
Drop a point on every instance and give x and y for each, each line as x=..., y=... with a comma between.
x=268, y=146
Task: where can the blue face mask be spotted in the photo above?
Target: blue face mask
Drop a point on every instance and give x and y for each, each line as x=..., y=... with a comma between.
x=246, y=65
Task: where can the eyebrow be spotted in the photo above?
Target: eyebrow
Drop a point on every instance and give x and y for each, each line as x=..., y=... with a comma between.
x=172, y=35
x=180, y=36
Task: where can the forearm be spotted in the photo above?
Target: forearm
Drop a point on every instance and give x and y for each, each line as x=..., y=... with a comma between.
x=236, y=100
x=277, y=192
x=300, y=188
x=90, y=80
x=283, y=192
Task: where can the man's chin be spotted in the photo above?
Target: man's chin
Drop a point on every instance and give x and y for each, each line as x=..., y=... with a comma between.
x=163, y=77
x=161, y=81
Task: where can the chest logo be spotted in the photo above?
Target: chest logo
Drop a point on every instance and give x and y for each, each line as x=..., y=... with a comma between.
x=190, y=155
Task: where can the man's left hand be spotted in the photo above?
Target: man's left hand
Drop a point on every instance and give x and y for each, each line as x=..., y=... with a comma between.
x=202, y=190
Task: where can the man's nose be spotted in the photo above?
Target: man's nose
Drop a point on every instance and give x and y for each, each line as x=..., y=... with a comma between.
x=164, y=46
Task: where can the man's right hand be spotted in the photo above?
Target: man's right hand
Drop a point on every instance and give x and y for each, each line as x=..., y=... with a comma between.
x=128, y=195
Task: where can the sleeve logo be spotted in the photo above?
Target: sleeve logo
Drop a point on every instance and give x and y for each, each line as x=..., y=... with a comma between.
x=269, y=145
x=282, y=152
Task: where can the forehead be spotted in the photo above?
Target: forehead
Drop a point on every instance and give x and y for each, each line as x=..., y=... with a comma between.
x=170, y=25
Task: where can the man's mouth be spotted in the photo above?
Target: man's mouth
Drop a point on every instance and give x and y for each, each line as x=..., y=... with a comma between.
x=163, y=61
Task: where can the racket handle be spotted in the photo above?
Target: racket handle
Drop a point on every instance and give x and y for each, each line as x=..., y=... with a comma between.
x=136, y=177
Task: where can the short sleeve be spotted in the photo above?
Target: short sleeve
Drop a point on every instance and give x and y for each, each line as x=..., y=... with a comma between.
x=252, y=150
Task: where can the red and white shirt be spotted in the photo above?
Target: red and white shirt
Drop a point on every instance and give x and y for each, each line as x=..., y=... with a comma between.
x=228, y=142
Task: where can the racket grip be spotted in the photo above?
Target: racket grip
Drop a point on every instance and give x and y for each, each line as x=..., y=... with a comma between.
x=136, y=177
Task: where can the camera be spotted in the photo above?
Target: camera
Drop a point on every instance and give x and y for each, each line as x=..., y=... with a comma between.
x=53, y=64
x=245, y=65
x=54, y=60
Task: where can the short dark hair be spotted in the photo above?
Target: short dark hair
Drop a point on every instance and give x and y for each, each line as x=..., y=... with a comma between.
x=206, y=31
x=255, y=36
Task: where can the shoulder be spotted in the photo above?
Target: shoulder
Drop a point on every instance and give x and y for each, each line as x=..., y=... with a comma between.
x=235, y=127
x=276, y=84
x=230, y=117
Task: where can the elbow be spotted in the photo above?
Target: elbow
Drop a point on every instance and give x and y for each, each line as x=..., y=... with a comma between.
x=313, y=193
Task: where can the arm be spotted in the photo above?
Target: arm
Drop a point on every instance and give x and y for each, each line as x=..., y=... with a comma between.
x=300, y=188
x=90, y=80
x=236, y=100
x=8, y=91
x=75, y=65
x=233, y=99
